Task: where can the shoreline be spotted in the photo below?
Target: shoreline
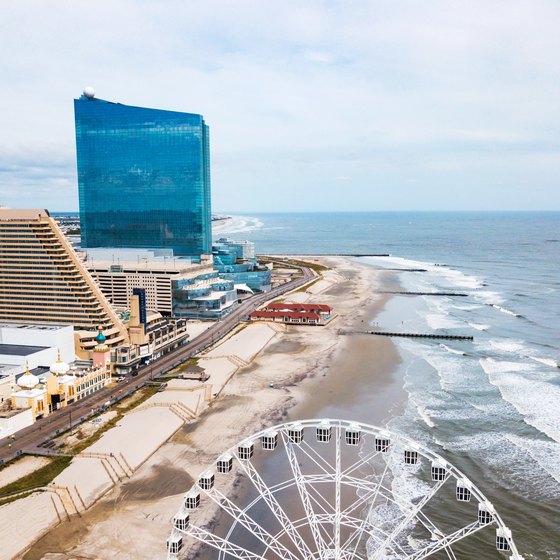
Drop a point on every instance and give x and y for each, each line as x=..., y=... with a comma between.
x=247, y=404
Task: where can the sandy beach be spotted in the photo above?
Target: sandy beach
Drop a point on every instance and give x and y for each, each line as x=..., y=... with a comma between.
x=263, y=373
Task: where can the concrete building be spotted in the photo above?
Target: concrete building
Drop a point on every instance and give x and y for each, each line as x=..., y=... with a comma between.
x=173, y=286
x=236, y=261
x=44, y=281
x=119, y=271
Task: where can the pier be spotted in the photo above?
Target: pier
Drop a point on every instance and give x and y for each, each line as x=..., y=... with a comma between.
x=412, y=335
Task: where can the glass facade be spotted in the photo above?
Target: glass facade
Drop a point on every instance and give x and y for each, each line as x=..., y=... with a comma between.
x=206, y=296
x=143, y=176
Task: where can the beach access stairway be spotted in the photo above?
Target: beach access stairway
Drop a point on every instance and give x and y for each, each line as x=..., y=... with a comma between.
x=178, y=408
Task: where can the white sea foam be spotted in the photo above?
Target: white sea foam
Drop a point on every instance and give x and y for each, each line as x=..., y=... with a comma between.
x=545, y=361
x=509, y=455
x=545, y=453
x=488, y=297
x=422, y=412
x=452, y=350
x=467, y=307
x=235, y=224
x=507, y=346
x=535, y=399
x=504, y=310
x=522, y=351
x=479, y=326
x=439, y=321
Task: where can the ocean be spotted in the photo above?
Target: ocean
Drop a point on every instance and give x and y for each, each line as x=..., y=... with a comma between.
x=491, y=406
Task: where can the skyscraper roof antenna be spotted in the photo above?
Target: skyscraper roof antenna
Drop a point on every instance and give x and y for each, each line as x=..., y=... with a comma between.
x=89, y=92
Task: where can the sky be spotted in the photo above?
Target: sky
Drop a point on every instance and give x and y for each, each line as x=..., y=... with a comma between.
x=312, y=106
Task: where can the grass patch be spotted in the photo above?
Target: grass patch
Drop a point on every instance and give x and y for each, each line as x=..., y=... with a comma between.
x=17, y=497
x=183, y=368
x=296, y=262
x=313, y=265
x=122, y=408
x=38, y=478
x=307, y=286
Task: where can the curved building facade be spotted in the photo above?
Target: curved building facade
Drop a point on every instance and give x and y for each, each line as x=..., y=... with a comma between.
x=143, y=176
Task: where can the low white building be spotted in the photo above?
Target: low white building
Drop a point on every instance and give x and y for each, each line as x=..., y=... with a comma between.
x=57, y=338
x=25, y=346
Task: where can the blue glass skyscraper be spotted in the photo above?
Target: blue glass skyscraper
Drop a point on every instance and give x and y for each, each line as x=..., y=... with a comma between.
x=143, y=176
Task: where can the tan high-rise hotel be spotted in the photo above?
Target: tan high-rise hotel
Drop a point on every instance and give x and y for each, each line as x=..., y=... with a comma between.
x=43, y=280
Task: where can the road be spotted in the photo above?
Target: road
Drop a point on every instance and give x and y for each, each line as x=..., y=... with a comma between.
x=30, y=438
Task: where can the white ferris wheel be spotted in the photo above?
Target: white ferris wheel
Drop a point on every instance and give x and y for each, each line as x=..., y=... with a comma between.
x=333, y=489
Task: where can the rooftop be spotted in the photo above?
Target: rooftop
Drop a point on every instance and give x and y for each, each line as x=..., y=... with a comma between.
x=29, y=326
x=20, y=349
x=280, y=306
x=9, y=214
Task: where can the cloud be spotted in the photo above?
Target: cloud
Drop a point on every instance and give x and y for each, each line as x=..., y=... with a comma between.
x=297, y=95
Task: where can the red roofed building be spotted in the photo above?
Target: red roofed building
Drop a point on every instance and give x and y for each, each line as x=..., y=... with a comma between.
x=300, y=307
x=294, y=313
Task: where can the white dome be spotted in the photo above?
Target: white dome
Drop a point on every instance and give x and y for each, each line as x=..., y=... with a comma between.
x=89, y=92
x=28, y=381
x=60, y=368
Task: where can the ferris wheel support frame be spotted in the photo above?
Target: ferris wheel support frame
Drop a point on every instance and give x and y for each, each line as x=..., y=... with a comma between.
x=324, y=519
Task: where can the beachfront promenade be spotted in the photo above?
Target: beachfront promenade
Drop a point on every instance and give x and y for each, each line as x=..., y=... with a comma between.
x=29, y=439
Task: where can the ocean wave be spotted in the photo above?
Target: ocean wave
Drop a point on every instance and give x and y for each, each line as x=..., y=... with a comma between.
x=507, y=346
x=452, y=350
x=546, y=361
x=488, y=297
x=522, y=351
x=235, y=224
x=469, y=307
x=438, y=321
x=521, y=460
x=423, y=413
x=504, y=310
x=545, y=453
x=536, y=400
x=479, y=326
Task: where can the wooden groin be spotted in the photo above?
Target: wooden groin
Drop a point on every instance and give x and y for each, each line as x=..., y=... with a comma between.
x=405, y=269
x=421, y=335
x=412, y=335
x=448, y=294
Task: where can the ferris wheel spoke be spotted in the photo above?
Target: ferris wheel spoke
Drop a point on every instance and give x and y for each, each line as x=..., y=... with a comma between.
x=275, y=507
x=304, y=496
x=409, y=517
x=362, y=461
x=222, y=545
x=312, y=455
x=445, y=542
x=354, y=523
x=450, y=553
x=249, y=523
x=429, y=525
x=337, y=478
x=359, y=532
